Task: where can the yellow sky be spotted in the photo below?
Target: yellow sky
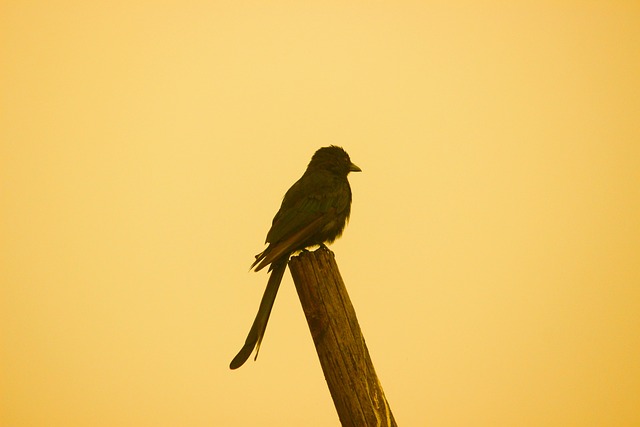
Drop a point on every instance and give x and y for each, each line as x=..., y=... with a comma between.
x=492, y=253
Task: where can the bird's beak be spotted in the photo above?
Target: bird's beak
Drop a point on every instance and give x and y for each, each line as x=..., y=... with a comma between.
x=354, y=168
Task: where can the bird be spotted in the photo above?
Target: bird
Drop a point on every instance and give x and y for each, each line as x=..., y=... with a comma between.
x=314, y=211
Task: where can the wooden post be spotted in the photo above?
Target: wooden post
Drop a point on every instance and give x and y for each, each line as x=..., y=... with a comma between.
x=356, y=391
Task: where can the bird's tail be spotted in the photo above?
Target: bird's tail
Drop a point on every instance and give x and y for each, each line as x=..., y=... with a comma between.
x=260, y=323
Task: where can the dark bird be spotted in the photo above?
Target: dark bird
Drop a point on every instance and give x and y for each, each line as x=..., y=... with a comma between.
x=314, y=211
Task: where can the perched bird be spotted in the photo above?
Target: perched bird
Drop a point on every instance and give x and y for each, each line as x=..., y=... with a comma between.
x=314, y=211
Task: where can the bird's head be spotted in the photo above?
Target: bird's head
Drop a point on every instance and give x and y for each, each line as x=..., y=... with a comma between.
x=333, y=159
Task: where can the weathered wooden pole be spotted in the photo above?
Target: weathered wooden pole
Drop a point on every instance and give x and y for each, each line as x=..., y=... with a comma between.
x=356, y=391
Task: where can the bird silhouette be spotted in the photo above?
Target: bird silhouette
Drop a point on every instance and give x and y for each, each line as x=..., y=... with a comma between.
x=314, y=211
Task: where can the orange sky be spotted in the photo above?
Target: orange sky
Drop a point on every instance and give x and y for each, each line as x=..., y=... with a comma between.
x=492, y=253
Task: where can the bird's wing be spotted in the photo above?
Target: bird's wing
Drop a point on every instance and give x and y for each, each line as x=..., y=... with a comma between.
x=288, y=245
x=309, y=205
